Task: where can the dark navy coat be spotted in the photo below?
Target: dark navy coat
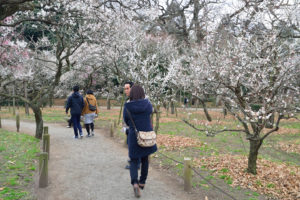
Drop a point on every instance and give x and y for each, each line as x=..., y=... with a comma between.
x=75, y=103
x=140, y=111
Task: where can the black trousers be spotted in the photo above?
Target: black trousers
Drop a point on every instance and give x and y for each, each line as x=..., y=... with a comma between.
x=134, y=162
x=88, y=127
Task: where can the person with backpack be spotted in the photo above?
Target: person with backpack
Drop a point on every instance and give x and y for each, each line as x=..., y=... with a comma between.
x=90, y=112
x=75, y=103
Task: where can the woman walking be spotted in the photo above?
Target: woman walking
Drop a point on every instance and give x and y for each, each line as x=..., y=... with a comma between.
x=139, y=110
x=90, y=111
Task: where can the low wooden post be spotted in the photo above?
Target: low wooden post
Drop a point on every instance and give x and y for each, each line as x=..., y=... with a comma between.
x=187, y=175
x=46, y=130
x=18, y=121
x=0, y=122
x=46, y=144
x=43, y=170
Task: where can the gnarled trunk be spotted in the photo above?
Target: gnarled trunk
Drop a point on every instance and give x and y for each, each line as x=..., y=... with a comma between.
x=38, y=121
x=208, y=117
x=253, y=153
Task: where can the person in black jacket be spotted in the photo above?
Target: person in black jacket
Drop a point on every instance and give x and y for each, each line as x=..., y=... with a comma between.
x=75, y=103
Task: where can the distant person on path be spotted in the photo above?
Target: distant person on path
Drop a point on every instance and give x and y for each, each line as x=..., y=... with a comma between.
x=90, y=112
x=69, y=123
x=75, y=103
x=68, y=118
x=140, y=110
x=186, y=102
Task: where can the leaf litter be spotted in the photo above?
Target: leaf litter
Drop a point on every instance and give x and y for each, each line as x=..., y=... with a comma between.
x=275, y=179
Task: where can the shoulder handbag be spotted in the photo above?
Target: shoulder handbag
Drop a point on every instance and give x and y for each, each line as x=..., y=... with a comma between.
x=144, y=138
x=91, y=107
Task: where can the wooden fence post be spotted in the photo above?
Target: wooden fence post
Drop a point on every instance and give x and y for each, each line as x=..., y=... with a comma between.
x=18, y=121
x=43, y=170
x=187, y=175
x=46, y=144
x=46, y=130
x=0, y=122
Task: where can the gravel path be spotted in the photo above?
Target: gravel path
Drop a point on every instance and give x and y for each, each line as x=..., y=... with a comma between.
x=93, y=168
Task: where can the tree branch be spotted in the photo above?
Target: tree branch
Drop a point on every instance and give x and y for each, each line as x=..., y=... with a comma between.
x=6, y=2
x=15, y=96
x=28, y=20
x=212, y=132
x=274, y=129
x=191, y=125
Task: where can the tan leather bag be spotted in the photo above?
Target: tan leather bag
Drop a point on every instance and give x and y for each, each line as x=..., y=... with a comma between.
x=144, y=138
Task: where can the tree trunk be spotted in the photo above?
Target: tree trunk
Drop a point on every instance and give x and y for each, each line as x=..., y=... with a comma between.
x=224, y=112
x=26, y=96
x=120, y=114
x=254, y=147
x=51, y=102
x=180, y=98
x=197, y=104
x=208, y=117
x=108, y=103
x=199, y=34
x=172, y=108
x=157, y=108
x=14, y=100
x=38, y=121
x=167, y=108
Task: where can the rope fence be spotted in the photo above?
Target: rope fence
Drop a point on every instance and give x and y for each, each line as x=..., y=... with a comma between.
x=198, y=173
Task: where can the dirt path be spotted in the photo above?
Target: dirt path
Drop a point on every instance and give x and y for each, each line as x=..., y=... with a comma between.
x=93, y=168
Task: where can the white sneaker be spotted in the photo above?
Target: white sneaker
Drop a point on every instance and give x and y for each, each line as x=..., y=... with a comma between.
x=93, y=133
x=75, y=137
x=81, y=135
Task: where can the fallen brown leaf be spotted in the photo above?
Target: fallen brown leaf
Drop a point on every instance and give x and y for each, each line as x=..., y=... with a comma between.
x=280, y=180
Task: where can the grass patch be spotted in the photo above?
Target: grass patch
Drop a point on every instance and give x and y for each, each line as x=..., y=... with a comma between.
x=18, y=162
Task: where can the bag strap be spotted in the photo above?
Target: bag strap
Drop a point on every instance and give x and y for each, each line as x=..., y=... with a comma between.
x=132, y=121
x=87, y=100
